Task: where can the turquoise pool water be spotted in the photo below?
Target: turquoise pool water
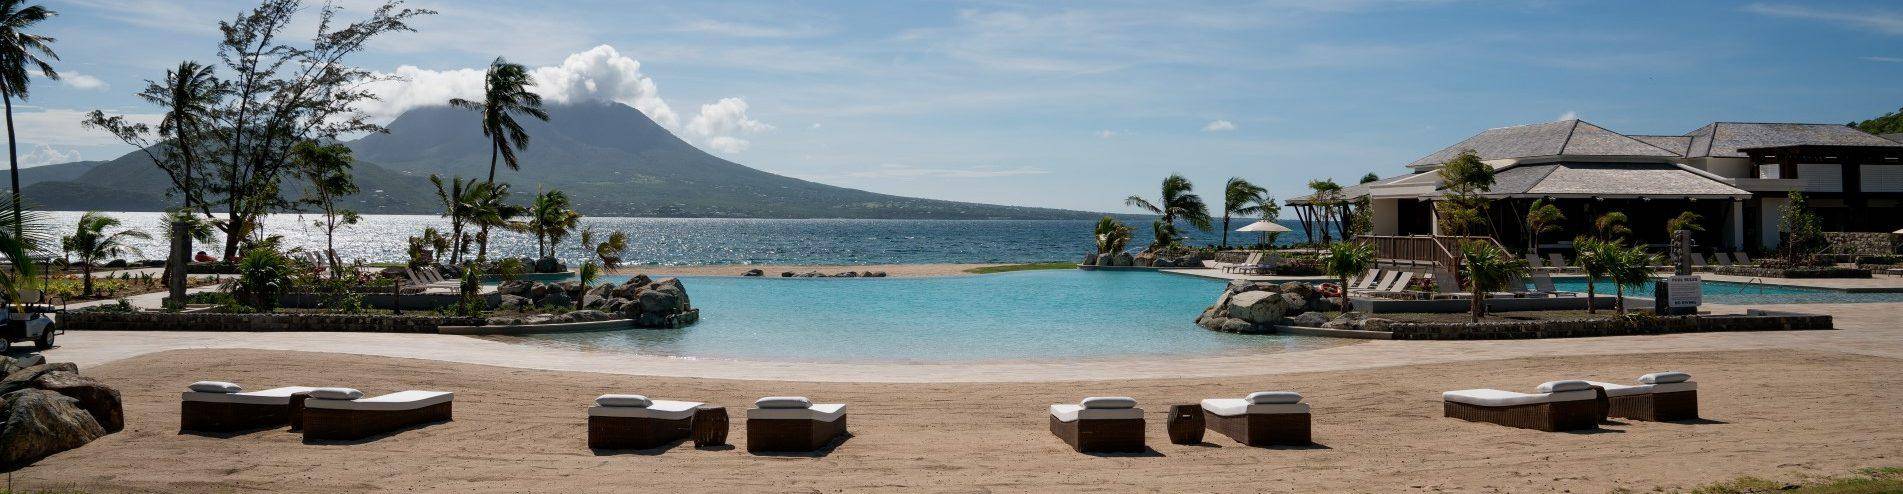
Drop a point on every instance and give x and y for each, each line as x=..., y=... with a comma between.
x=1010, y=316
x=1720, y=292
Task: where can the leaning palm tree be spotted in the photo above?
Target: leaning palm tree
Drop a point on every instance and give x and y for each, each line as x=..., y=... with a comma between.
x=1631, y=267
x=551, y=217
x=1594, y=257
x=1242, y=198
x=458, y=199
x=1112, y=235
x=491, y=209
x=1612, y=227
x=20, y=53
x=505, y=93
x=92, y=244
x=1344, y=260
x=1487, y=268
x=1541, y=219
x=1175, y=202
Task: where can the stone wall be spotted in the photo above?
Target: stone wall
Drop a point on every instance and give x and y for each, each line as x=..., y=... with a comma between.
x=201, y=321
x=1605, y=327
x=1860, y=243
x=1792, y=272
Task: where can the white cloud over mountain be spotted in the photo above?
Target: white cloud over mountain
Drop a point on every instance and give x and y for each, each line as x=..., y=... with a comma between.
x=601, y=73
x=1219, y=126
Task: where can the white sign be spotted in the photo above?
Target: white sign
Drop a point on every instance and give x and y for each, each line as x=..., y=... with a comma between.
x=1683, y=291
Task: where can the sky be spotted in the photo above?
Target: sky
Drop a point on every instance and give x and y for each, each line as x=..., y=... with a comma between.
x=1061, y=104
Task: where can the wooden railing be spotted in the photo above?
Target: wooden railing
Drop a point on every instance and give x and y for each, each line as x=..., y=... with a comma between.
x=1441, y=251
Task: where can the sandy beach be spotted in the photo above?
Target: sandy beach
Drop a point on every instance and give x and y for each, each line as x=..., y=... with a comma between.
x=774, y=270
x=1770, y=413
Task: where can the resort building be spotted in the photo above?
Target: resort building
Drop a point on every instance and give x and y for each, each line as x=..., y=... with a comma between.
x=1735, y=175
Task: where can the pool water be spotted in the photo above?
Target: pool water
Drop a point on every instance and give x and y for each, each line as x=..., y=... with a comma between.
x=1009, y=316
x=1728, y=293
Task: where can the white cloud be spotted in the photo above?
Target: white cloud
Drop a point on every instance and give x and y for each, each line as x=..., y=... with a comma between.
x=45, y=155
x=719, y=124
x=61, y=127
x=82, y=81
x=599, y=74
x=897, y=171
x=1883, y=59
x=1882, y=21
x=1569, y=115
x=1219, y=126
x=1106, y=134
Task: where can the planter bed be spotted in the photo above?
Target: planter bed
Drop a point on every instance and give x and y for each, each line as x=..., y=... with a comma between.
x=213, y=321
x=1795, y=272
x=1433, y=328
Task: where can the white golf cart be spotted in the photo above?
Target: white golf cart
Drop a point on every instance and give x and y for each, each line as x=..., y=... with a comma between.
x=35, y=323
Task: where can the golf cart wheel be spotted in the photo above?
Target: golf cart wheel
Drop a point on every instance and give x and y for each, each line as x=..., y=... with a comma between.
x=46, y=338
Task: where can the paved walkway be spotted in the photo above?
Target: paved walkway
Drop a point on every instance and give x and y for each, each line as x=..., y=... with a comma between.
x=1867, y=329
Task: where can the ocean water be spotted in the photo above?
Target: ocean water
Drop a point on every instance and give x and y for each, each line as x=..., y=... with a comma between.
x=1054, y=314
x=696, y=241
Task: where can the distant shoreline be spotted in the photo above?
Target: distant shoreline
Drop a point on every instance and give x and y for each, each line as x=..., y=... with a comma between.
x=774, y=270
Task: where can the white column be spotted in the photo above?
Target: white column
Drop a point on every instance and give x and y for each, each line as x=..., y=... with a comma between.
x=1737, y=225
x=1770, y=215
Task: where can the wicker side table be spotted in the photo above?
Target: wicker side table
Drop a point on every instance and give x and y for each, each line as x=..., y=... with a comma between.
x=1186, y=424
x=710, y=427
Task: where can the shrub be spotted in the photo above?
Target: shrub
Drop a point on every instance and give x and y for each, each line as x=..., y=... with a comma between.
x=262, y=275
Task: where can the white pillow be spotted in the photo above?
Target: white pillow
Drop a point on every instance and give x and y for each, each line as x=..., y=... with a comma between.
x=1665, y=377
x=636, y=401
x=336, y=394
x=1563, y=386
x=215, y=387
x=783, y=402
x=1102, y=402
x=1273, y=397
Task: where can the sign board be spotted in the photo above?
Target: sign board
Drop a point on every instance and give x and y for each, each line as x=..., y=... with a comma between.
x=1683, y=291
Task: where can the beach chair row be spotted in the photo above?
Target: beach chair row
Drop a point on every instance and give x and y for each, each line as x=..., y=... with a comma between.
x=1557, y=262
x=1395, y=282
x=1257, y=263
x=1099, y=424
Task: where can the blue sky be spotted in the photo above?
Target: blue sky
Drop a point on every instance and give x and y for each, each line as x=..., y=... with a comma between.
x=1071, y=105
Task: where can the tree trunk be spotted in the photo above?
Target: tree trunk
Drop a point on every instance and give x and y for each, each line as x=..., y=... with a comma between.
x=494, y=147
x=1591, y=307
x=1619, y=291
x=88, y=278
x=1225, y=230
x=13, y=160
x=1344, y=294
x=482, y=244
x=1479, y=304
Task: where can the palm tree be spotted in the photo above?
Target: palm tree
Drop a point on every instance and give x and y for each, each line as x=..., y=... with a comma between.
x=1612, y=227
x=1686, y=220
x=1239, y=197
x=21, y=234
x=1176, y=202
x=1269, y=210
x=505, y=93
x=90, y=241
x=20, y=53
x=1112, y=235
x=458, y=200
x=551, y=217
x=1347, y=259
x=491, y=209
x=187, y=95
x=1488, y=269
x=1542, y=218
x=1594, y=258
x=1327, y=198
x=1631, y=267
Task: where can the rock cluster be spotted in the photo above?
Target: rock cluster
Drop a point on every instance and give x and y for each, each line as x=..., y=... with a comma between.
x=1257, y=307
x=49, y=408
x=842, y=274
x=649, y=303
x=1168, y=259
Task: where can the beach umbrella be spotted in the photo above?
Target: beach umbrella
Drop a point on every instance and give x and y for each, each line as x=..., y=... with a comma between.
x=1264, y=226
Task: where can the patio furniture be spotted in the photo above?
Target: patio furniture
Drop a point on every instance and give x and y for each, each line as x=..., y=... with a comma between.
x=1722, y=258
x=1186, y=424
x=1533, y=261
x=1698, y=260
x=344, y=414
x=1446, y=285
x=1100, y=424
x=1659, y=397
x=1263, y=418
x=793, y=424
x=1742, y=259
x=1558, y=260
x=1266, y=265
x=217, y=406
x=1556, y=406
x=710, y=426
x=636, y=422
x=1543, y=285
x=1248, y=261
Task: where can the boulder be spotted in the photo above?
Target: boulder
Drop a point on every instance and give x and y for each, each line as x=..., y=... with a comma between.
x=1375, y=324
x=515, y=287
x=1296, y=287
x=786, y=274
x=1309, y=320
x=639, y=280
x=95, y=397
x=876, y=274
x=1295, y=303
x=549, y=265
x=1144, y=259
x=571, y=288
x=36, y=423
x=1347, y=320
x=662, y=300
x=24, y=378
x=515, y=302
x=1257, y=307
x=556, y=298
x=848, y=274
x=588, y=316
x=537, y=291
x=117, y=263
x=592, y=301
x=1124, y=259
x=614, y=305
x=1089, y=260
x=753, y=272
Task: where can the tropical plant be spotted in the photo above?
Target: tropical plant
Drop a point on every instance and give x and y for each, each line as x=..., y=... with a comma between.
x=93, y=245
x=510, y=269
x=1239, y=197
x=1594, y=257
x=426, y=248
x=1370, y=178
x=1345, y=260
x=1686, y=220
x=1326, y=200
x=609, y=250
x=1268, y=210
x=1175, y=201
x=22, y=233
x=1361, y=220
x=1112, y=235
x=262, y=274
x=551, y=217
x=491, y=210
x=458, y=198
x=326, y=170
x=1631, y=267
x=505, y=94
x=1612, y=227
x=20, y=53
x=1487, y=268
x=587, y=274
x=1542, y=218
x=1465, y=179
x=1163, y=235
x=189, y=95
x=1804, y=232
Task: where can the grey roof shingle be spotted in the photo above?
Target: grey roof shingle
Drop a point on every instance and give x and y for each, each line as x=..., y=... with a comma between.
x=1352, y=192
x=1675, y=144
x=1608, y=179
x=1898, y=137
x=1724, y=139
x=1564, y=137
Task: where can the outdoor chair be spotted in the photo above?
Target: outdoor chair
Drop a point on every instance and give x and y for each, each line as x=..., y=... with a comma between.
x=793, y=424
x=1723, y=259
x=636, y=422
x=1556, y=406
x=1543, y=285
x=1263, y=418
x=1698, y=260
x=1659, y=397
x=217, y=406
x=344, y=414
x=1533, y=261
x=1558, y=260
x=1743, y=259
x=1100, y=424
x=1251, y=260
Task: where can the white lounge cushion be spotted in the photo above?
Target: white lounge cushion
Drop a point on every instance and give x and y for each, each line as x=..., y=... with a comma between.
x=273, y=396
x=1073, y=413
x=656, y=409
x=1665, y=377
x=783, y=402
x=823, y=412
x=1230, y=407
x=401, y=400
x=336, y=394
x=1618, y=390
x=1273, y=397
x=635, y=401
x=1109, y=402
x=215, y=387
x=1674, y=387
x=1499, y=398
x=1558, y=386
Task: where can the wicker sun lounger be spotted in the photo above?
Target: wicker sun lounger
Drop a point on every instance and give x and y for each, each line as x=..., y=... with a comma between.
x=1558, y=406
x=793, y=424
x=635, y=422
x=1659, y=397
x=214, y=406
x=1264, y=418
x=344, y=414
x=1100, y=424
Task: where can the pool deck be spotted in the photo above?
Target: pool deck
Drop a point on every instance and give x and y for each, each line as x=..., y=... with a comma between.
x=1878, y=284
